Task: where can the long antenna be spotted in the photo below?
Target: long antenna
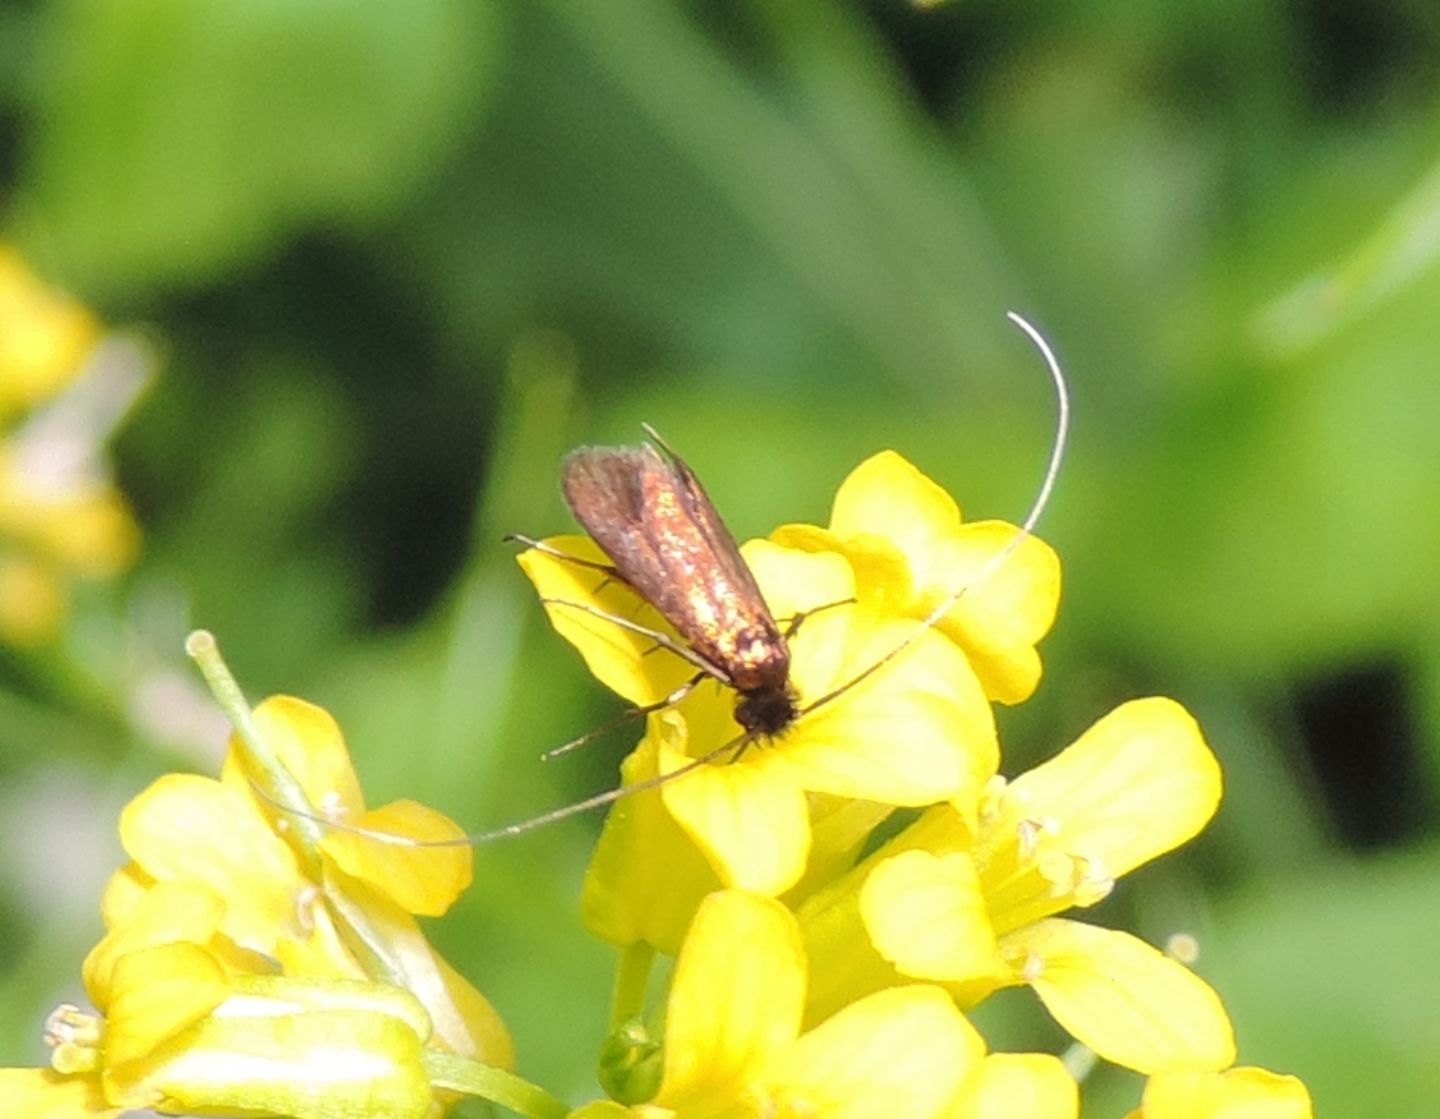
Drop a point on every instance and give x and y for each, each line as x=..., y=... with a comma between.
x=520, y=827
x=1027, y=528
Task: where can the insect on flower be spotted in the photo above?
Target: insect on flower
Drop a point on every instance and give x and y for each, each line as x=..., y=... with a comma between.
x=648, y=513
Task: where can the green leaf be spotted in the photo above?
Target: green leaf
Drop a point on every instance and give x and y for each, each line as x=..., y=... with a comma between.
x=178, y=139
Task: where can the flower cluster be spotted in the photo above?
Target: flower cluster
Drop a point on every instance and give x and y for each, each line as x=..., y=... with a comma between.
x=253, y=966
x=824, y=972
x=62, y=386
x=837, y=898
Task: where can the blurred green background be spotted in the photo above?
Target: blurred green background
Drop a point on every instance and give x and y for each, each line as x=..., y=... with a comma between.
x=395, y=259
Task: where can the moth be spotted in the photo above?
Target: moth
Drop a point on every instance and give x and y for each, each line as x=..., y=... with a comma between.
x=651, y=517
x=648, y=512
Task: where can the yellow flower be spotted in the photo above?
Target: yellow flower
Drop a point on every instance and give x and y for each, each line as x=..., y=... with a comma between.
x=1237, y=1093
x=1017, y=1086
x=342, y=909
x=915, y=733
x=733, y=1040
x=186, y=1025
x=60, y=516
x=904, y=536
x=44, y=336
x=975, y=908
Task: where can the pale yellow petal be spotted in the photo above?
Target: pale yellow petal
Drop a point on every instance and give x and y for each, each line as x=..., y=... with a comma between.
x=926, y=914
x=735, y=999
x=321, y=952
x=1237, y=1093
x=1127, y=1001
x=839, y=828
x=749, y=818
x=1018, y=1086
x=157, y=992
x=46, y=337
x=35, y=1093
x=1137, y=784
x=308, y=740
x=123, y=891
x=844, y=965
x=318, y=1065
x=581, y=601
x=188, y=828
x=903, y=1051
x=424, y=880
x=485, y=1037
x=166, y=913
x=462, y=1020
x=646, y=876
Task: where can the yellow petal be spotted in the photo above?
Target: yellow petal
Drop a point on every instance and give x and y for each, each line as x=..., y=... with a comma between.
x=1237, y=1093
x=1009, y=604
x=926, y=915
x=749, y=818
x=881, y=573
x=647, y=876
x=904, y=1051
x=167, y=913
x=157, y=993
x=320, y=1065
x=1137, y=784
x=796, y=581
x=844, y=965
x=619, y=658
x=887, y=496
x=322, y=952
x=1018, y=1086
x=308, y=740
x=46, y=337
x=736, y=997
x=192, y=829
x=123, y=891
x=889, y=516
x=269, y=996
x=839, y=828
x=1124, y=999
x=462, y=1020
x=421, y=880
x=34, y=1093
x=482, y=1034
x=917, y=731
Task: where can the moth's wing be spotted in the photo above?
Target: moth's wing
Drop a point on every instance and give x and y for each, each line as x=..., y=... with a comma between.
x=743, y=635
x=618, y=494
x=601, y=486
x=706, y=518
x=653, y=519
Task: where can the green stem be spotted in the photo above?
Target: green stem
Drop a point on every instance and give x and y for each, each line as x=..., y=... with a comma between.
x=1080, y=1061
x=632, y=978
x=446, y=1070
x=261, y=763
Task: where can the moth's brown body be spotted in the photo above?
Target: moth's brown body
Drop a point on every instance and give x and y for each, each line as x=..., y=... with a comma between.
x=650, y=515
